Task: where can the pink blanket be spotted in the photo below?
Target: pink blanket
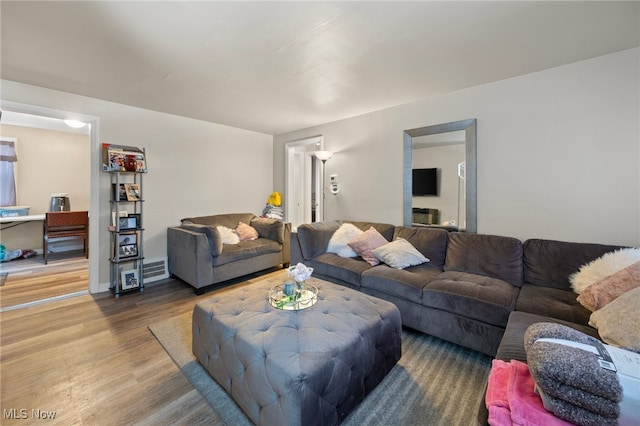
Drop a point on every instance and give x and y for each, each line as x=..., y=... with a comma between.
x=511, y=398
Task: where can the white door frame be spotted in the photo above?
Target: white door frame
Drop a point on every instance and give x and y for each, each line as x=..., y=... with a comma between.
x=94, y=187
x=298, y=179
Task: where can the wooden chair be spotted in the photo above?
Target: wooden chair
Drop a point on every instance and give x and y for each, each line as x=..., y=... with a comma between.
x=64, y=225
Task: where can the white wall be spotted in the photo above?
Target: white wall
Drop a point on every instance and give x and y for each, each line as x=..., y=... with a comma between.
x=48, y=162
x=558, y=153
x=195, y=167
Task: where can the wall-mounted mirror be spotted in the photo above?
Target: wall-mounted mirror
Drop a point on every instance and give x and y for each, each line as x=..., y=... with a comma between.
x=442, y=158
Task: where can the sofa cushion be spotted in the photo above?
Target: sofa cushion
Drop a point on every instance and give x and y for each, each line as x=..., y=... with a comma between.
x=347, y=269
x=403, y=283
x=432, y=243
x=512, y=344
x=314, y=237
x=245, y=250
x=478, y=297
x=269, y=228
x=549, y=263
x=552, y=302
x=229, y=220
x=383, y=228
x=490, y=255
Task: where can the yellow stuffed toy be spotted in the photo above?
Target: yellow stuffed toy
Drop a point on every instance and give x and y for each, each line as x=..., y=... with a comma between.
x=275, y=199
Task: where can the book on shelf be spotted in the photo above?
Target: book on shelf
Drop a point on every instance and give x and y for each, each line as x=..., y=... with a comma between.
x=119, y=193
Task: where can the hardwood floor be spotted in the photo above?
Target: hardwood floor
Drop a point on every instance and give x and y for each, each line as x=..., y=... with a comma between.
x=29, y=280
x=92, y=360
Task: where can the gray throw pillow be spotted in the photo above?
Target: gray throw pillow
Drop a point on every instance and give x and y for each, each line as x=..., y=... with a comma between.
x=269, y=228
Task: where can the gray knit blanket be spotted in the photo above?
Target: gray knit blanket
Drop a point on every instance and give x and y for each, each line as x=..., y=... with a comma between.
x=575, y=386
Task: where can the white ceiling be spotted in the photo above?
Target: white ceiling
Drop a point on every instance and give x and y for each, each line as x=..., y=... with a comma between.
x=275, y=67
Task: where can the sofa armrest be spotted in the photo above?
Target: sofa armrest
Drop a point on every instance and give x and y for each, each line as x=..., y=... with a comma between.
x=314, y=237
x=188, y=254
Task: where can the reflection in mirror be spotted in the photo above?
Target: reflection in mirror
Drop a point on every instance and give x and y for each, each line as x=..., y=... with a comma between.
x=442, y=158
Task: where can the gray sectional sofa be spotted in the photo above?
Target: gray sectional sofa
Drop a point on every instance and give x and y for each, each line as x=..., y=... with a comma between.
x=197, y=255
x=478, y=291
x=474, y=286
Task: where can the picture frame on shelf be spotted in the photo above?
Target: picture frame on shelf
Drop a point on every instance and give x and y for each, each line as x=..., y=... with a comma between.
x=119, y=215
x=138, y=159
x=113, y=160
x=119, y=194
x=128, y=250
x=127, y=239
x=130, y=222
x=129, y=279
x=132, y=191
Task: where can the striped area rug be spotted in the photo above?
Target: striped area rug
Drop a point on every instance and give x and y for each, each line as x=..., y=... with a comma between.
x=434, y=383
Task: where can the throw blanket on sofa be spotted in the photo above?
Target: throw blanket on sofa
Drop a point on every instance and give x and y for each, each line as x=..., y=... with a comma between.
x=511, y=399
x=575, y=386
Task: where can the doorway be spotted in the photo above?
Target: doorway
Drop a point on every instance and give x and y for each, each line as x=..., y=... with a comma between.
x=43, y=119
x=303, y=195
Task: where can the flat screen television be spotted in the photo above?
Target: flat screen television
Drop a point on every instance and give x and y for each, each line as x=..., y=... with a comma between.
x=425, y=182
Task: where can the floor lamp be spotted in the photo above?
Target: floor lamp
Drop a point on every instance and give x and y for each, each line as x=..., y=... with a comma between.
x=323, y=156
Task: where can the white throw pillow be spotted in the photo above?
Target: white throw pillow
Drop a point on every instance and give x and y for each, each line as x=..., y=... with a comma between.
x=602, y=267
x=338, y=243
x=399, y=254
x=228, y=235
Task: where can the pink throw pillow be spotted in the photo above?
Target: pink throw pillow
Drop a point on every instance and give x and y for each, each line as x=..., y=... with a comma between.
x=246, y=232
x=365, y=243
x=609, y=288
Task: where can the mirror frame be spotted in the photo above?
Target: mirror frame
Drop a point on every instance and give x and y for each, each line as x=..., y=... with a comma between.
x=469, y=127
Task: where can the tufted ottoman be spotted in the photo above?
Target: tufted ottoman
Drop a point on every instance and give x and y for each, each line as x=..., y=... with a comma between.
x=297, y=368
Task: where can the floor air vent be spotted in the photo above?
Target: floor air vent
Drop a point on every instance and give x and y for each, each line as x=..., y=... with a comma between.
x=154, y=270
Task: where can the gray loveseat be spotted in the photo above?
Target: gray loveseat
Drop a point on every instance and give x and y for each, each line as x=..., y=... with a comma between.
x=196, y=253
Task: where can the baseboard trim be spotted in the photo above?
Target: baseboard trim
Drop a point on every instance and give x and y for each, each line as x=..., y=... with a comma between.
x=42, y=301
